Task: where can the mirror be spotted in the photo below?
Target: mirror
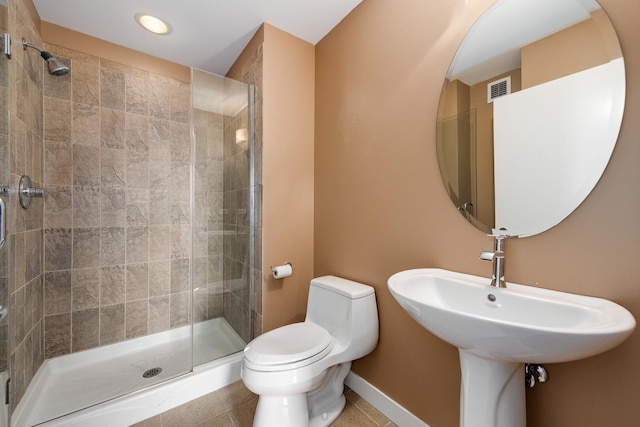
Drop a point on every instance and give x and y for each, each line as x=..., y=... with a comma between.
x=530, y=113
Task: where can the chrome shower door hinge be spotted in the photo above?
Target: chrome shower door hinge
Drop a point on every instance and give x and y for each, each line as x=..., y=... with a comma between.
x=7, y=44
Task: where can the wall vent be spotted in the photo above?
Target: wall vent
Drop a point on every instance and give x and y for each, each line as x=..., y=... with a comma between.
x=498, y=88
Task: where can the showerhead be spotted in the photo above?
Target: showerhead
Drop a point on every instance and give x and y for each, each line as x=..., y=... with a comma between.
x=55, y=67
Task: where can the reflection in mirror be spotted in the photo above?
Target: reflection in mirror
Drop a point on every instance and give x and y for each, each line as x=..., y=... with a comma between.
x=530, y=112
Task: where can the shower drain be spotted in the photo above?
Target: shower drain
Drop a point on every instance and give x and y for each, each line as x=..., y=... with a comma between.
x=151, y=372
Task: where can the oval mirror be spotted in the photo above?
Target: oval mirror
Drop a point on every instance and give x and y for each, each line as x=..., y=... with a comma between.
x=530, y=113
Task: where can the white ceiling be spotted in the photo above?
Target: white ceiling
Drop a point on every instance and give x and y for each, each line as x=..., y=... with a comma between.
x=206, y=34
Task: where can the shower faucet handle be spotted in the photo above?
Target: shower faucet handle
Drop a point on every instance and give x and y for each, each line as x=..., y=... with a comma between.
x=26, y=191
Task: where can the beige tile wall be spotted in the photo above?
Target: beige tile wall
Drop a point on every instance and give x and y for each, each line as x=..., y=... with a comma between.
x=25, y=226
x=248, y=68
x=117, y=210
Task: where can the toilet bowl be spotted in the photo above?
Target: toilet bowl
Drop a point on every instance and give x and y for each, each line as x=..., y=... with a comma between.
x=298, y=370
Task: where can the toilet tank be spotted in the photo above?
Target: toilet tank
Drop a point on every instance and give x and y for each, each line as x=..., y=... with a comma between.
x=347, y=310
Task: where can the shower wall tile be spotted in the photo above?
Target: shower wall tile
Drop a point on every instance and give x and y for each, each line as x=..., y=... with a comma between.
x=137, y=247
x=159, y=97
x=85, y=129
x=136, y=320
x=137, y=148
x=159, y=138
x=57, y=329
x=86, y=247
x=159, y=173
x=33, y=254
x=137, y=282
x=86, y=83
x=159, y=242
x=112, y=128
x=180, y=313
x=112, y=246
x=159, y=314
x=113, y=207
x=180, y=175
x=159, y=278
x=57, y=292
x=180, y=141
x=137, y=207
x=112, y=285
x=58, y=209
x=180, y=208
x=159, y=206
x=58, y=163
x=180, y=241
x=86, y=206
x=17, y=322
x=215, y=300
x=179, y=275
x=180, y=101
x=57, y=249
x=136, y=94
x=85, y=329
x=112, y=89
x=111, y=324
x=18, y=137
x=85, y=289
x=200, y=309
x=57, y=124
x=21, y=140
x=86, y=165
x=123, y=68
x=113, y=167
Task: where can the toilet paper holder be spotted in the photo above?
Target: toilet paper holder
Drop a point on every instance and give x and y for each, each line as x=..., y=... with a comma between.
x=282, y=271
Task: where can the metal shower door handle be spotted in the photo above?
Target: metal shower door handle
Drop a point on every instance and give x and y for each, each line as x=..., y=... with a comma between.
x=3, y=222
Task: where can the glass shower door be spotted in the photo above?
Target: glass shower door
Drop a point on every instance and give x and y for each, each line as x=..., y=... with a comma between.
x=221, y=117
x=5, y=177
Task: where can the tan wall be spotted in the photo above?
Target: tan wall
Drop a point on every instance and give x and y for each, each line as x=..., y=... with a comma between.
x=288, y=202
x=70, y=39
x=381, y=208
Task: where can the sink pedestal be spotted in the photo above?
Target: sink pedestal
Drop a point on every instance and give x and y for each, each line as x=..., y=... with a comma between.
x=492, y=392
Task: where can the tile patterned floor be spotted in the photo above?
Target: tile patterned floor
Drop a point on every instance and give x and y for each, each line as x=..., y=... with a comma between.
x=234, y=406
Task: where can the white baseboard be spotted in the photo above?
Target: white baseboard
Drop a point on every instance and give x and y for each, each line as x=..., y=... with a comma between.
x=383, y=403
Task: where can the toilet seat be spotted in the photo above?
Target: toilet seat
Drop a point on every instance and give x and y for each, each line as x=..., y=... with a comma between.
x=288, y=347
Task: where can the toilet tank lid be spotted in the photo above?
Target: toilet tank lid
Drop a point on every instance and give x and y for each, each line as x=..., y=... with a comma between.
x=342, y=286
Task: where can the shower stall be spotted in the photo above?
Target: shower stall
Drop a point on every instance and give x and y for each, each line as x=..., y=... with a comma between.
x=134, y=269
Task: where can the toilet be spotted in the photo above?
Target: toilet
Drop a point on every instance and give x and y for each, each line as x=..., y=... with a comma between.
x=298, y=370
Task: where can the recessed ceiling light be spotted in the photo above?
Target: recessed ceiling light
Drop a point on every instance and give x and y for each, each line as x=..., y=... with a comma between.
x=153, y=24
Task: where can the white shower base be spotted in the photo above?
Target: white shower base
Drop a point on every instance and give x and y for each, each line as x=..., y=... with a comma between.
x=68, y=384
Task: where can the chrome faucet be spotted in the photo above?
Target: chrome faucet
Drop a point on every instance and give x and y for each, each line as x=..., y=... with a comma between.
x=498, y=259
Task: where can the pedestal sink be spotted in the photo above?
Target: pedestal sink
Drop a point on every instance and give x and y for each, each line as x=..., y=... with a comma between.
x=497, y=330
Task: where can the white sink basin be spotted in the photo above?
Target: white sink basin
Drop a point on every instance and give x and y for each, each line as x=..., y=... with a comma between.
x=517, y=323
x=497, y=330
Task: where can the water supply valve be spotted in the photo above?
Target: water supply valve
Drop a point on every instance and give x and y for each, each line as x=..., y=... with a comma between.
x=534, y=373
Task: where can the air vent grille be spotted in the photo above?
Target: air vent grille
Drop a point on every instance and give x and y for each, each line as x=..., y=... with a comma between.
x=498, y=88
